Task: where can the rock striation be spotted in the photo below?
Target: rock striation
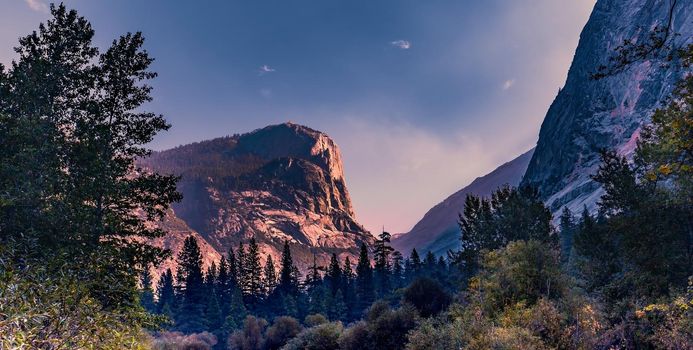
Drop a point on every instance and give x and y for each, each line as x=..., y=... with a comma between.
x=588, y=115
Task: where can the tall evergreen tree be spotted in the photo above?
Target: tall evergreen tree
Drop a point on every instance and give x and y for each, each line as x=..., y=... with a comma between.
x=241, y=270
x=288, y=284
x=334, y=275
x=270, y=281
x=233, y=269
x=567, y=228
x=364, y=280
x=510, y=214
x=166, y=298
x=253, y=272
x=224, y=286
x=397, y=270
x=146, y=292
x=73, y=124
x=191, y=316
x=382, y=270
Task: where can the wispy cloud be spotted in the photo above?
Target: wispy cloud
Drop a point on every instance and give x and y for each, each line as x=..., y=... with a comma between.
x=265, y=69
x=401, y=44
x=266, y=93
x=37, y=5
x=508, y=84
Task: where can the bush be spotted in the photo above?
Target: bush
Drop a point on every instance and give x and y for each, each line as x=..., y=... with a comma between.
x=427, y=296
x=315, y=320
x=40, y=310
x=356, y=337
x=322, y=337
x=180, y=341
x=250, y=337
x=282, y=330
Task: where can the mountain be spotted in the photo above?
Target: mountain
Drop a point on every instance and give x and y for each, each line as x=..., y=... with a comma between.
x=281, y=182
x=588, y=115
x=437, y=231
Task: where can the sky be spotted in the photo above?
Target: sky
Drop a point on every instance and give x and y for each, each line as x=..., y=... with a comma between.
x=422, y=96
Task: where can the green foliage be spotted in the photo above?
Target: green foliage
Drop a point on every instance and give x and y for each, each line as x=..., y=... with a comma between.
x=426, y=296
x=250, y=337
x=511, y=214
x=283, y=329
x=43, y=310
x=322, y=337
x=364, y=280
x=520, y=272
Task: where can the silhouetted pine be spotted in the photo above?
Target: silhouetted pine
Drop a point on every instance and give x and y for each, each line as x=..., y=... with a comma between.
x=223, y=286
x=567, y=229
x=166, y=298
x=191, y=315
x=146, y=292
x=397, y=276
x=288, y=283
x=253, y=271
x=270, y=276
x=381, y=271
x=364, y=280
x=333, y=277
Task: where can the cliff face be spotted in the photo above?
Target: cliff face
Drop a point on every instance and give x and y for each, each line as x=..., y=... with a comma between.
x=589, y=115
x=282, y=182
x=437, y=231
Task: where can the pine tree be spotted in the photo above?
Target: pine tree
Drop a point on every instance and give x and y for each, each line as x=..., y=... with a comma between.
x=364, y=280
x=567, y=231
x=313, y=279
x=287, y=280
x=397, y=270
x=233, y=268
x=338, y=307
x=348, y=289
x=190, y=317
x=213, y=314
x=211, y=276
x=237, y=312
x=224, y=286
x=413, y=268
x=270, y=282
x=166, y=298
x=334, y=275
x=253, y=271
x=74, y=122
x=146, y=292
x=241, y=270
x=381, y=255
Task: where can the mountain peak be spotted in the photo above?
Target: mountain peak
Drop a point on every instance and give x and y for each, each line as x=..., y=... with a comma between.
x=281, y=182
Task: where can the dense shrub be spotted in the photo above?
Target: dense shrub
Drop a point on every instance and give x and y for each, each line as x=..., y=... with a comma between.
x=283, y=329
x=427, y=296
x=250, y=337
x=321, y=337
x=180, y=341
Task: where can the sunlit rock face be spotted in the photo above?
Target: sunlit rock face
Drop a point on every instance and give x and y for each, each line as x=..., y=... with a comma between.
x=282, y=182
x=609, y=113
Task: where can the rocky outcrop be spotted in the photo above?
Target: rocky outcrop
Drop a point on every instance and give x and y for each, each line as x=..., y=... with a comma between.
x=589, y=115
x=437, y=231
x=282, y=182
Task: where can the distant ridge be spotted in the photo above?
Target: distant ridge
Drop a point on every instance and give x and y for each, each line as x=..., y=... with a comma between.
x=437, y=231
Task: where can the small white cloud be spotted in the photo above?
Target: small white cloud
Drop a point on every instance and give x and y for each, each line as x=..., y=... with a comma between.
x=265, y=69
x=37, y=5
x=266, y=93
x=508, y=84
x=401, y=44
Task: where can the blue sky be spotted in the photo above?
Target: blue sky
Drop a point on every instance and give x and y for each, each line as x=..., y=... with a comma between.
x=421, y=95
